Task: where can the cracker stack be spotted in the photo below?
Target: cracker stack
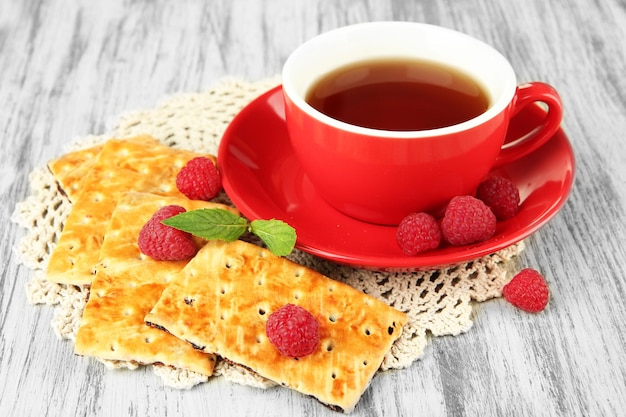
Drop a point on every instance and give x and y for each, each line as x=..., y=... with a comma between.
x=221, y=300
x=139, y=164
x=101, y=235
x=126, y=287
x=184, y=313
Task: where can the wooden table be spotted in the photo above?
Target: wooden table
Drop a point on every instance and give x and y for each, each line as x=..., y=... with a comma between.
x=68, y=68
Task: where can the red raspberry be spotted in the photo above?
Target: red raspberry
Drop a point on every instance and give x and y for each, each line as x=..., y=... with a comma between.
x=501, y=195
x=199, y=179
x=467, y=220
x=528, y=291
x=293, y=330
x=418, y=232
x=164, y=243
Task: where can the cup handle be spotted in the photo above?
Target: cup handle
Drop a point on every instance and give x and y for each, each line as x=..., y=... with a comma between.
x=525, y=95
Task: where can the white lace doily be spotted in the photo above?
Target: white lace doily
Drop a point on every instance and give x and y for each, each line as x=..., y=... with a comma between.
x=438, y=302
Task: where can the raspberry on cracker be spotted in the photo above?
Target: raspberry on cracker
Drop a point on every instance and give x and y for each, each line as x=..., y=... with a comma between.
x=293, y=330
x=199, y=179
x=164, y=243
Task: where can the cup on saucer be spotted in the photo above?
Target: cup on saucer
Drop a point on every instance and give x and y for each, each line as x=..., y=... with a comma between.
x=391, y=118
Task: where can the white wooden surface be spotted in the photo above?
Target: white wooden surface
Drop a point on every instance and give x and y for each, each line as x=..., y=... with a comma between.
x=68, y=68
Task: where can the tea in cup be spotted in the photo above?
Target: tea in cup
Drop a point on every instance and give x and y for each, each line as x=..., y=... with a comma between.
x=391, y=118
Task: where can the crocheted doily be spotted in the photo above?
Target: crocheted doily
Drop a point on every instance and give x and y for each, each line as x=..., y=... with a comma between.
x=438, y=302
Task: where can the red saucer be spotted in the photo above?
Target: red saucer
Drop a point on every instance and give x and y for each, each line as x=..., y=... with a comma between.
x=264, y=180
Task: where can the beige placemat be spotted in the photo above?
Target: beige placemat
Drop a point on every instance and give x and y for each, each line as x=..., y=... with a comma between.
x=438, y=302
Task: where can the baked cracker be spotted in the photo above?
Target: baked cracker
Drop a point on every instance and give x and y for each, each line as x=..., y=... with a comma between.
x=126, y=287
x=139, y=164
x=71, y=169
x=221, y=300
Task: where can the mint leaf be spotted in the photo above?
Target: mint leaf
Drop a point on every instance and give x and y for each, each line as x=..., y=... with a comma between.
x=279, y=237
x=209, y=224
x=212, y=224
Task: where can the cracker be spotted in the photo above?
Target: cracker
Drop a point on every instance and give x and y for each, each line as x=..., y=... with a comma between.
x=139, y=164
x=126, y=287
x=71, y=169
x=221, y=300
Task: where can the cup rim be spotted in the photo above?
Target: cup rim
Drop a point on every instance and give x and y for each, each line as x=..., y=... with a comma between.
x=299, y=101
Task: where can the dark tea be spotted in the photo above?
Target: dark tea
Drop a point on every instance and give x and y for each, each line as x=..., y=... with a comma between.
x=400, y=95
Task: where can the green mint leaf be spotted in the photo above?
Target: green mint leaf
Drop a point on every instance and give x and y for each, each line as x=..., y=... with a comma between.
x=279, y=237
x=209, y=224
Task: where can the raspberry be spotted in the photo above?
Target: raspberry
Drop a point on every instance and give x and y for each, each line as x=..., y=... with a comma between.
x=528, y=291
x=418, y=232
x=293, y=330
x=164, y=243
x=467, y=220
x=501, y=195
x=199, y=179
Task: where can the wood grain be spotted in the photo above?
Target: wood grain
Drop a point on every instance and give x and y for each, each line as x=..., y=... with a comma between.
x=68, y=69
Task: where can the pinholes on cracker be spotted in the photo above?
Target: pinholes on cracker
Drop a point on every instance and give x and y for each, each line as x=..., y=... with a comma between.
x=140, y=164
x=71, y=169
x=221, y=300
x=126, y=287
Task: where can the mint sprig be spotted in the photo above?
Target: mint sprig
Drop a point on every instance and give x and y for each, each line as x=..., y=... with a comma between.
x=220, y=224
x=279, y=237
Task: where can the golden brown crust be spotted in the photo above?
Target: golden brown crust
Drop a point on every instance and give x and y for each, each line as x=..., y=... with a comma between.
x=126, y=287
x=71, y=169
x=221, y=301
x=137, y=164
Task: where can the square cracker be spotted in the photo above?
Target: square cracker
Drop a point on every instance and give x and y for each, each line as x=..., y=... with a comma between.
x=221, y=300
x=126, y=287
x=139, y=164
x=71, y=169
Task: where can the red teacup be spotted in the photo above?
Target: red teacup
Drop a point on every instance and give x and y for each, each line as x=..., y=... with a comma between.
x=381, y=174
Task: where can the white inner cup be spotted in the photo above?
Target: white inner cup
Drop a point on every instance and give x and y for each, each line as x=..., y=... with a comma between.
x=399, y=40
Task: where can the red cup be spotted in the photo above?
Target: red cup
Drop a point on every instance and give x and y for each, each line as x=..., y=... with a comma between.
x=380, y=176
